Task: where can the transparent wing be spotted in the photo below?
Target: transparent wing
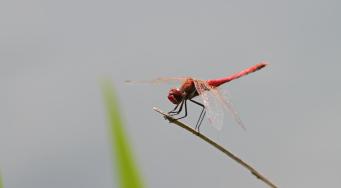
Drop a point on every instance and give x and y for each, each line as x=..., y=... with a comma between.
x=227, y=104
x=160, y=80
x=216, y=102
x=214, y=109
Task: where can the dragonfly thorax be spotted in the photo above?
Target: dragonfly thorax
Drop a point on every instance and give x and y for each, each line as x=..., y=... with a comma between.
x=175, y=95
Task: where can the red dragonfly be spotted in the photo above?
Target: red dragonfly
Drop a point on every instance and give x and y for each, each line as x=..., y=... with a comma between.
x=213, y=100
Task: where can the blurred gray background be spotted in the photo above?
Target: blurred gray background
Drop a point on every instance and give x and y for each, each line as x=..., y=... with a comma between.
x=53, y=127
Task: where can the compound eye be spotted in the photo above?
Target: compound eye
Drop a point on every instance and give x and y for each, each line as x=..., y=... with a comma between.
x=175, y=96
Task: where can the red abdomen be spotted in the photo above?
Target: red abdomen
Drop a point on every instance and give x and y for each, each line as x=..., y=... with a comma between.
x=219, y=81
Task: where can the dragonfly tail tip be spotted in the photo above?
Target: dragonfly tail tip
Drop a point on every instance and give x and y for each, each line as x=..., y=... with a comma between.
x=265, y=63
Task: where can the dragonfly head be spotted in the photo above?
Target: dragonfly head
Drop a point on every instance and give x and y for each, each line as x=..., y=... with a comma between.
x=175, y=96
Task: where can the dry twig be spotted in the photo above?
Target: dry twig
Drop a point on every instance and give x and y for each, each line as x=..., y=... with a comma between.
x=219, y=147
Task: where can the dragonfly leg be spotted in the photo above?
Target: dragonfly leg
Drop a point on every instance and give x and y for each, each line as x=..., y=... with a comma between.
x=174, y=109
x=184, y=102
x=202, y=118
x=173, y=112
x=202, y=114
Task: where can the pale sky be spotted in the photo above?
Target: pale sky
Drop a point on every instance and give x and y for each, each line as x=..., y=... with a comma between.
x=53, y=126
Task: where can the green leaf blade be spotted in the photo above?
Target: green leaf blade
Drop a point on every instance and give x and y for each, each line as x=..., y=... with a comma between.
x=1, y=185
x=129, y=176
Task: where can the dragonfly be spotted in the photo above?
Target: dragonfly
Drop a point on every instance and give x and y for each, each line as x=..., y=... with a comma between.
x=214, y=102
